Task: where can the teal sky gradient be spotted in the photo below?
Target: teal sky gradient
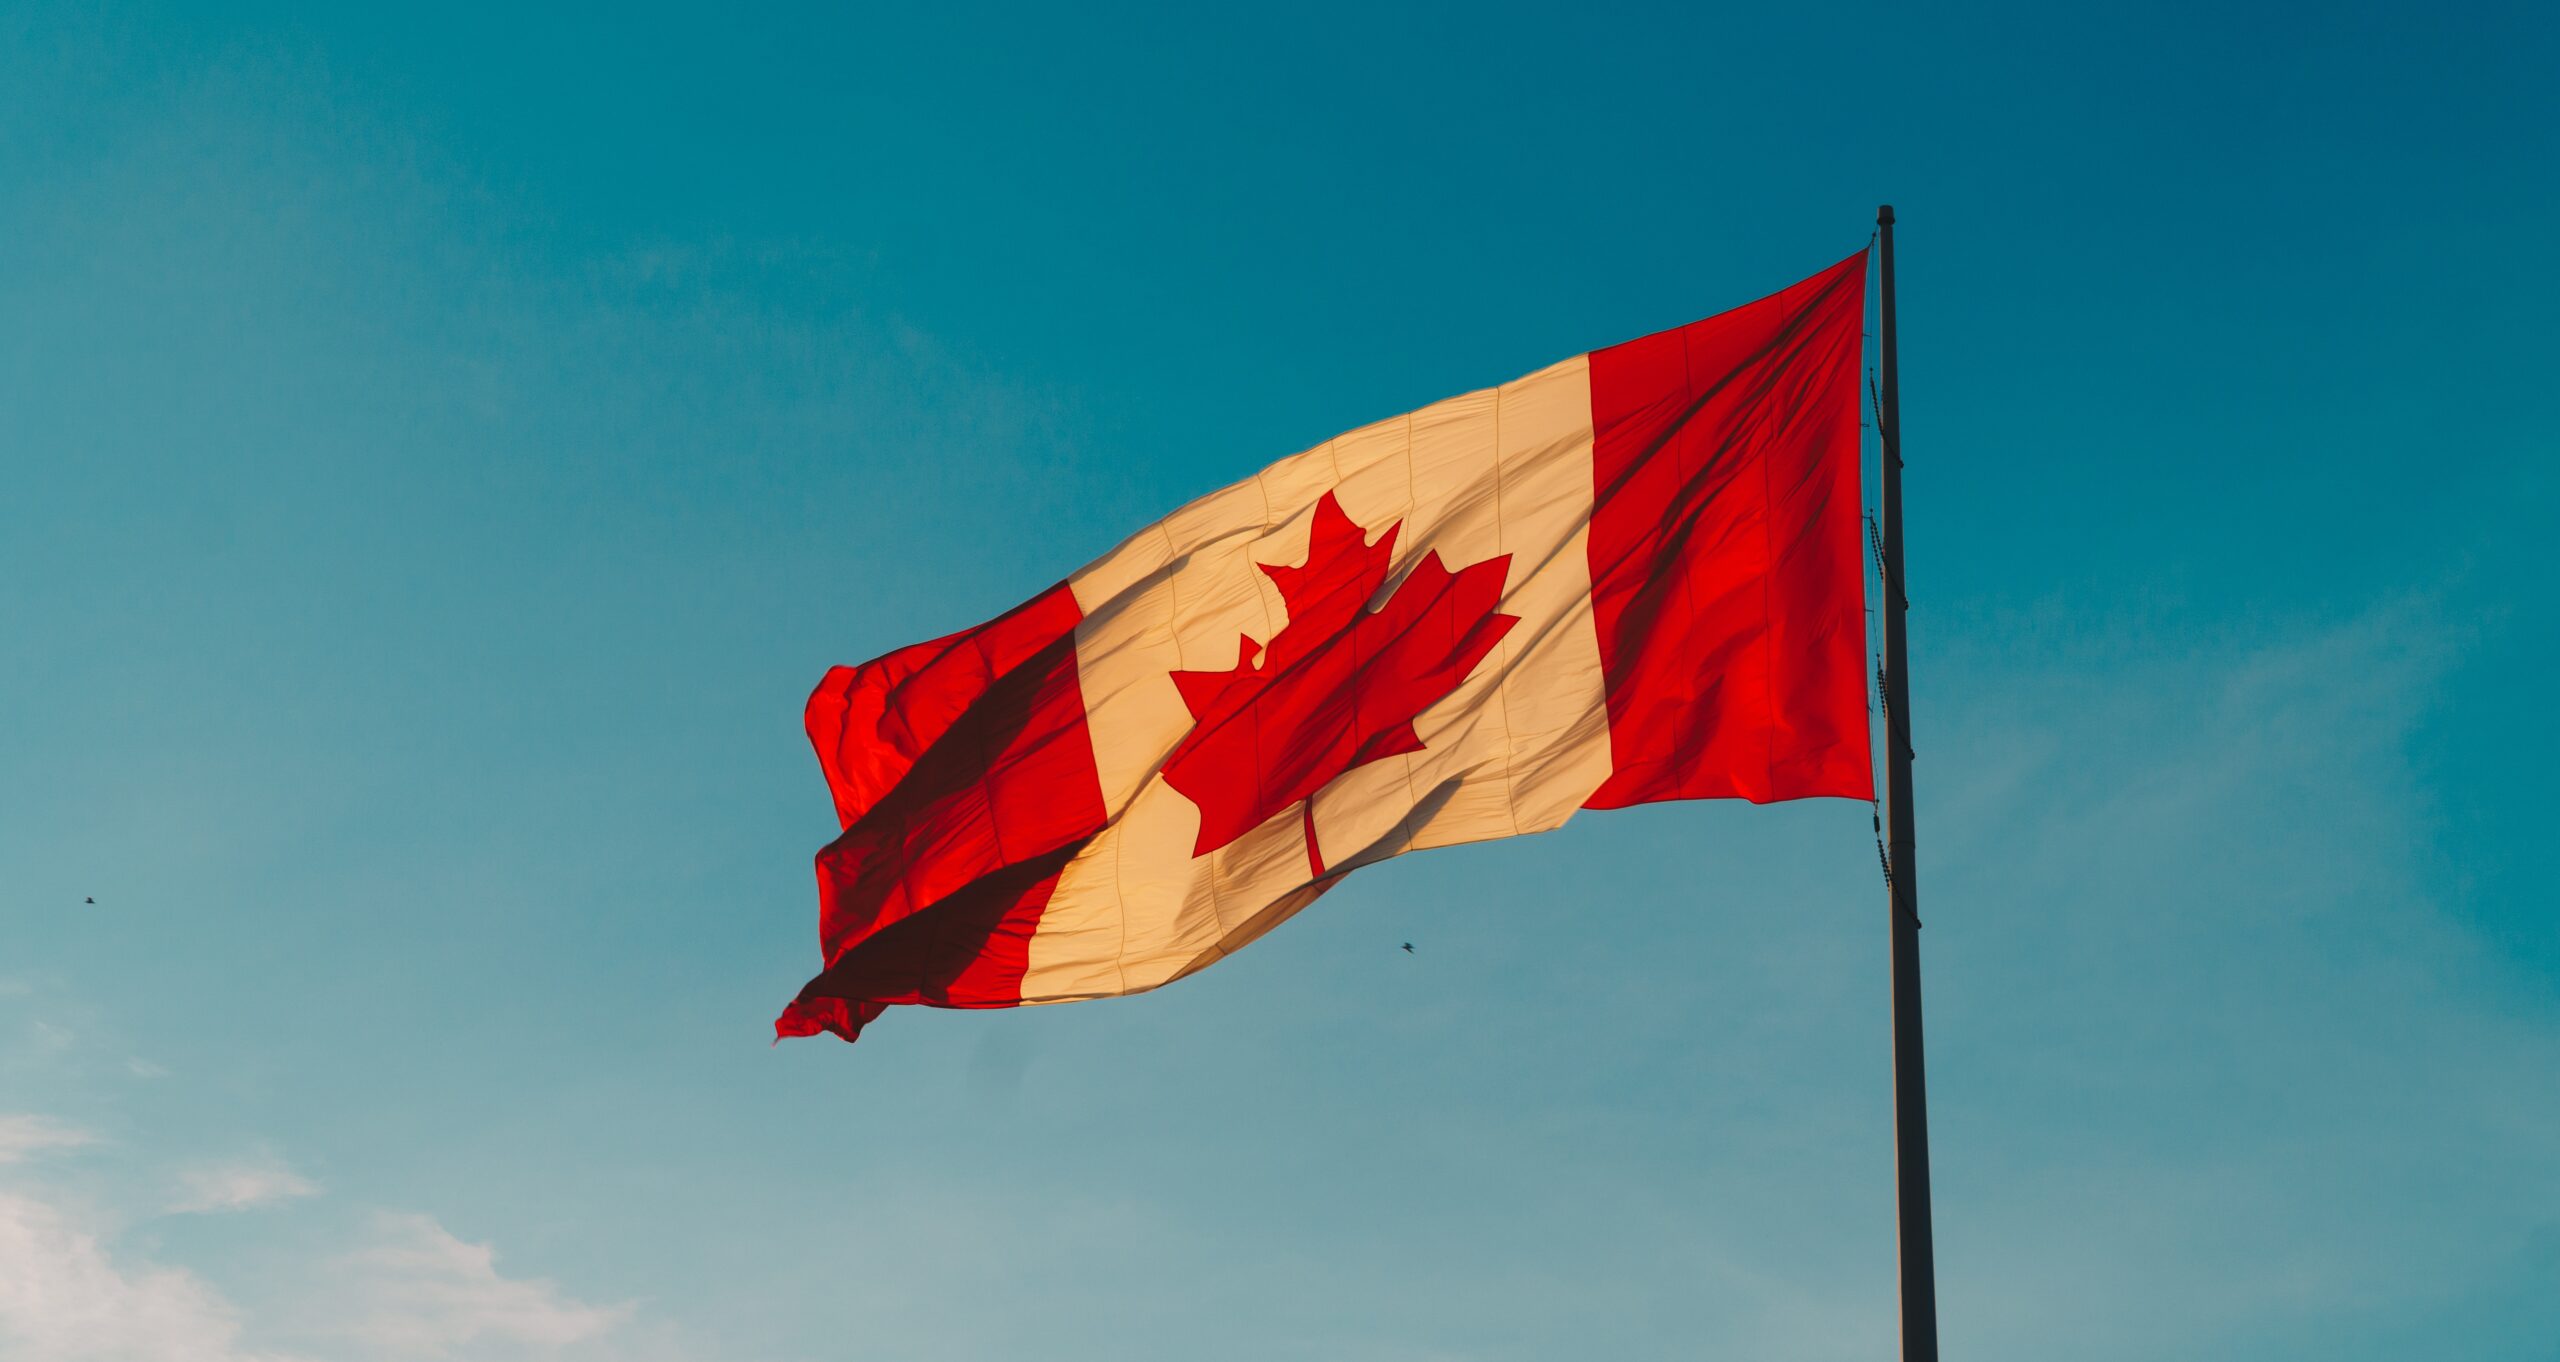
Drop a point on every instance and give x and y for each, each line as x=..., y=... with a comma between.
x=444, y=445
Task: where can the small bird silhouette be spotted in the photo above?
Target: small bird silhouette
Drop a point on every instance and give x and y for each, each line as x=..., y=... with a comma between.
x=89, y=901
x=1408, y=948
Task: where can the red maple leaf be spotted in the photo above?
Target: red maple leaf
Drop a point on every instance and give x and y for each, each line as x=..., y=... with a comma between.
x=1338, y=686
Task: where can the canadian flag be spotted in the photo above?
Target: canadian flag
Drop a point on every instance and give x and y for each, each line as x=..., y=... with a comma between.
x=1635, y=575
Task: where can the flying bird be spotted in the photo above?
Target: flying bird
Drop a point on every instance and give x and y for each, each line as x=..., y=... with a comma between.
x=89, y=901
x=1408, y=948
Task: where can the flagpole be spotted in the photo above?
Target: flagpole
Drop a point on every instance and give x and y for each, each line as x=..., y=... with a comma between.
x=1910, y=1084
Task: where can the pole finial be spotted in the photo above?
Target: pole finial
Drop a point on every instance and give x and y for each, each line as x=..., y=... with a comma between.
x=1884, y=215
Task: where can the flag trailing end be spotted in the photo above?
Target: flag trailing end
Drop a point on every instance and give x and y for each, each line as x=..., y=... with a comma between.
x=1628, y=577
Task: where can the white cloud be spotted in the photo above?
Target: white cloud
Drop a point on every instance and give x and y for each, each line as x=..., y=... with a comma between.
x=239, y=1186
x=402, y=1288
x=62, y=1299
x=411, y=1290
x=143, y=1068
x=22, y=1136
x=417, y=1290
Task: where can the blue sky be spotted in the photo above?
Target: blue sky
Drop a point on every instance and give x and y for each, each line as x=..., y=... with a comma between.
x=443, y=446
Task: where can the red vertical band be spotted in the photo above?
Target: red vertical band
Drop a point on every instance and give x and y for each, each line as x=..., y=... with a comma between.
x=963, y=774
x=1727, y=581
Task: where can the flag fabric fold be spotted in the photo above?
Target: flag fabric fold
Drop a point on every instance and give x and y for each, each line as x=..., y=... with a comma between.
x=1632, y=576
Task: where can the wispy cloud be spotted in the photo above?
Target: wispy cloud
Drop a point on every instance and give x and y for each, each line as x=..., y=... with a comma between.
x=418, y=1290
x=409, y=1289
x=393, y=1287
x=239, y=1186
x=2219, y=1008
x=62, y=1297
x=25, y=1136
